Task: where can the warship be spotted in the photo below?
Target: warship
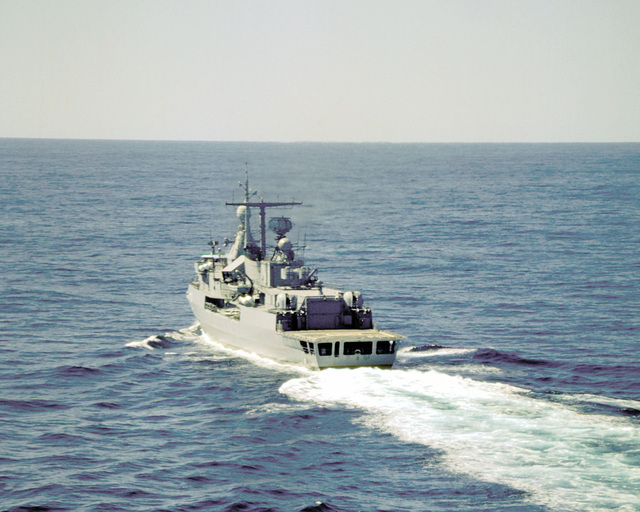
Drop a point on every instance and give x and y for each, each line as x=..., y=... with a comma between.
x=273, y=305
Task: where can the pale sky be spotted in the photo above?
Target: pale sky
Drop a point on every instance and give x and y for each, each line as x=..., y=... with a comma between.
x=321, y=70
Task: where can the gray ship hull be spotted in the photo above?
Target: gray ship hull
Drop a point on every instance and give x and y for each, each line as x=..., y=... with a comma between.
x=253, y=330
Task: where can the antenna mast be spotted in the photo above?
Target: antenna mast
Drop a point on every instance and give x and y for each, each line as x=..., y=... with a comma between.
x=261, y=205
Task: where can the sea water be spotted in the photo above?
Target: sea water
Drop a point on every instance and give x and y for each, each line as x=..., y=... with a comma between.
x=513, y=271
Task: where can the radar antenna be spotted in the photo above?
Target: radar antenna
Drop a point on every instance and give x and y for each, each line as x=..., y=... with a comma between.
x=248, y=193
x=212, y=243
x=280, y=226
x=262, y=205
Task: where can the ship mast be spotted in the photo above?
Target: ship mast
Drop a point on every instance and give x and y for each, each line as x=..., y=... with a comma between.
x=262, y=205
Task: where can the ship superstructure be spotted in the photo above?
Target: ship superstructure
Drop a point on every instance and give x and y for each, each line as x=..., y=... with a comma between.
x=272, y=304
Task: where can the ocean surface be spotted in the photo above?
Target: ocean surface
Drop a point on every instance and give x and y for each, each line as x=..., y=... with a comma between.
x=513, y=270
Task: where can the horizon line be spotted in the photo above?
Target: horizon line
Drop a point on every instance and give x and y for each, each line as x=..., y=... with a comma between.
x=231, y=141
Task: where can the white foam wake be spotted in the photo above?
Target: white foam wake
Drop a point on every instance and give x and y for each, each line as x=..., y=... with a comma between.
x=408, y=353
x=565, y=460
x=253, y=357
x=167, y=339
x=602, y=400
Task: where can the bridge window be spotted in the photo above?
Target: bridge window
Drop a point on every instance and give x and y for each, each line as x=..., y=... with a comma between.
x=385, y=347
x=324, y=349
x=358, y=347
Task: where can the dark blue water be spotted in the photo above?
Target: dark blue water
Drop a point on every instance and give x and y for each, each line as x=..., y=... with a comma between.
x=513, y=270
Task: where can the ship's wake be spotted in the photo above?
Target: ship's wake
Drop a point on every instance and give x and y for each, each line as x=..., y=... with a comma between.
x=252, y=357
x=419, y=352
x=184, y=340
x=553, y=448
x=169, y=339
x=563, y=458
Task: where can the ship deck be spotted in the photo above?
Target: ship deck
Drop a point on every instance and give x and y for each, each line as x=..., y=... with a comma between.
x=332, y=335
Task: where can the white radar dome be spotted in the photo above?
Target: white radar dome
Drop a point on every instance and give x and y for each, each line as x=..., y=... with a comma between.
x=284, y=244
x=242, y=211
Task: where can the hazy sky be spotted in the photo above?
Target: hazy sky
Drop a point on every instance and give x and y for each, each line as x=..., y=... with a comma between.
x=321, y=70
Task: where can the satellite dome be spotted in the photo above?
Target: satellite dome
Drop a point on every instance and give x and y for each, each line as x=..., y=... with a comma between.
x=284, y=244
x=286, y=247
x=242, y=211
